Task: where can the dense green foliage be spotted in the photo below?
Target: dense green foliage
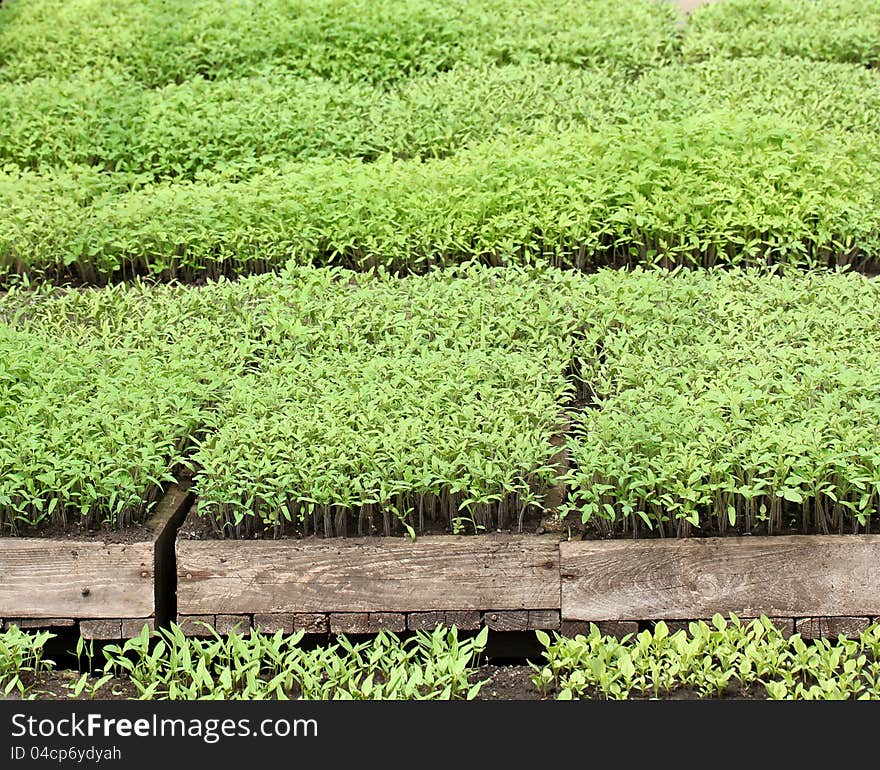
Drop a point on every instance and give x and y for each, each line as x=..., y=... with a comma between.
x=157, y=42
x=359, y=394
x=222, y=139
x=166, y=665
x=87, y=432
x=726, y=658
x=729, y=400
x=339, y=402
x=246, y=125
x=420, y=399
x=720, y=188
x=102, y=394
x=22, y=660
x=830, y=30
x=826, y=95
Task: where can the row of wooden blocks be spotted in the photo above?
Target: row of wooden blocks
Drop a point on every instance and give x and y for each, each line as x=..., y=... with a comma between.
x=399, y=622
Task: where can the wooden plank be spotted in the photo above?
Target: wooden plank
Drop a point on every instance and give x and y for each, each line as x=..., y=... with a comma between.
x=785, y=625
x=101, y=629
x=668, y=579
x=132, y=627
x=48, y=578
x=226, y=624
x=831, y=628
x=24, y=623
x=425, y=621
x=557, y=493
x=311, y=623
x=174, y=503
x=502, y=572
x=618, y=628
x=547, y=620
x=510, y=620
x=191, y=625
x=387, y=621
x=271, y=623
x=350, y=623
x=674, y=626
x=463, y=620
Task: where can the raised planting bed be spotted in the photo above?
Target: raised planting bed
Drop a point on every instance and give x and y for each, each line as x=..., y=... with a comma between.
x=359, y=585
x=110, y=585
x=815, y=585
x=469, y=400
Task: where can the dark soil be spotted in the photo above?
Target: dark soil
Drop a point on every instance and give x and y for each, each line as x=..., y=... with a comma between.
x=58, y=685
x=136, y=534
x=507, y=683
x=196, y=527
x=512, y=682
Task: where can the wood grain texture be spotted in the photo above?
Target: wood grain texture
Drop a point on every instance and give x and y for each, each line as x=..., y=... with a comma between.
x=425, y=621
x=48, y=578
x=544, y=619
x=392, y=575
x=507, y=620
x=463, y=620
x=831, y=628
x=270, y=623
x=671, y=579
x=311, y=622
x=134, y=626
x=387, y=621
x=350, y=623
x=173, y=503
x=103, y=629
x=617, y=628
x=191, y=625
x=226, y=624
x=29, y=623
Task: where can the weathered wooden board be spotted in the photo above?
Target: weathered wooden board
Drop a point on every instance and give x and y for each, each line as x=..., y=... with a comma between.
x=387, y=621
x=363, y=575
x=668, y=579
x=544, y=619
x=44, y=579
x=101, y=629
x=48, y=578
x=831, y=628
x=511, y=620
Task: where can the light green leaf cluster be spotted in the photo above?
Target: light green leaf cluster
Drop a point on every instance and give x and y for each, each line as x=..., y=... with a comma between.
x=166, y=665
x=727, y=658
x=410, y=400
x=378, y=41
x=826, y=95
x=250, y=124
x=729, y=400
x=825, y=30
x=102, y=394
x=341, y=402
x=314, y=392
x=22, y=661
x=718, y=188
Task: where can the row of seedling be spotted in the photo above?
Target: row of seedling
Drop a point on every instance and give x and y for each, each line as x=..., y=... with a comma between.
x=338, y=403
